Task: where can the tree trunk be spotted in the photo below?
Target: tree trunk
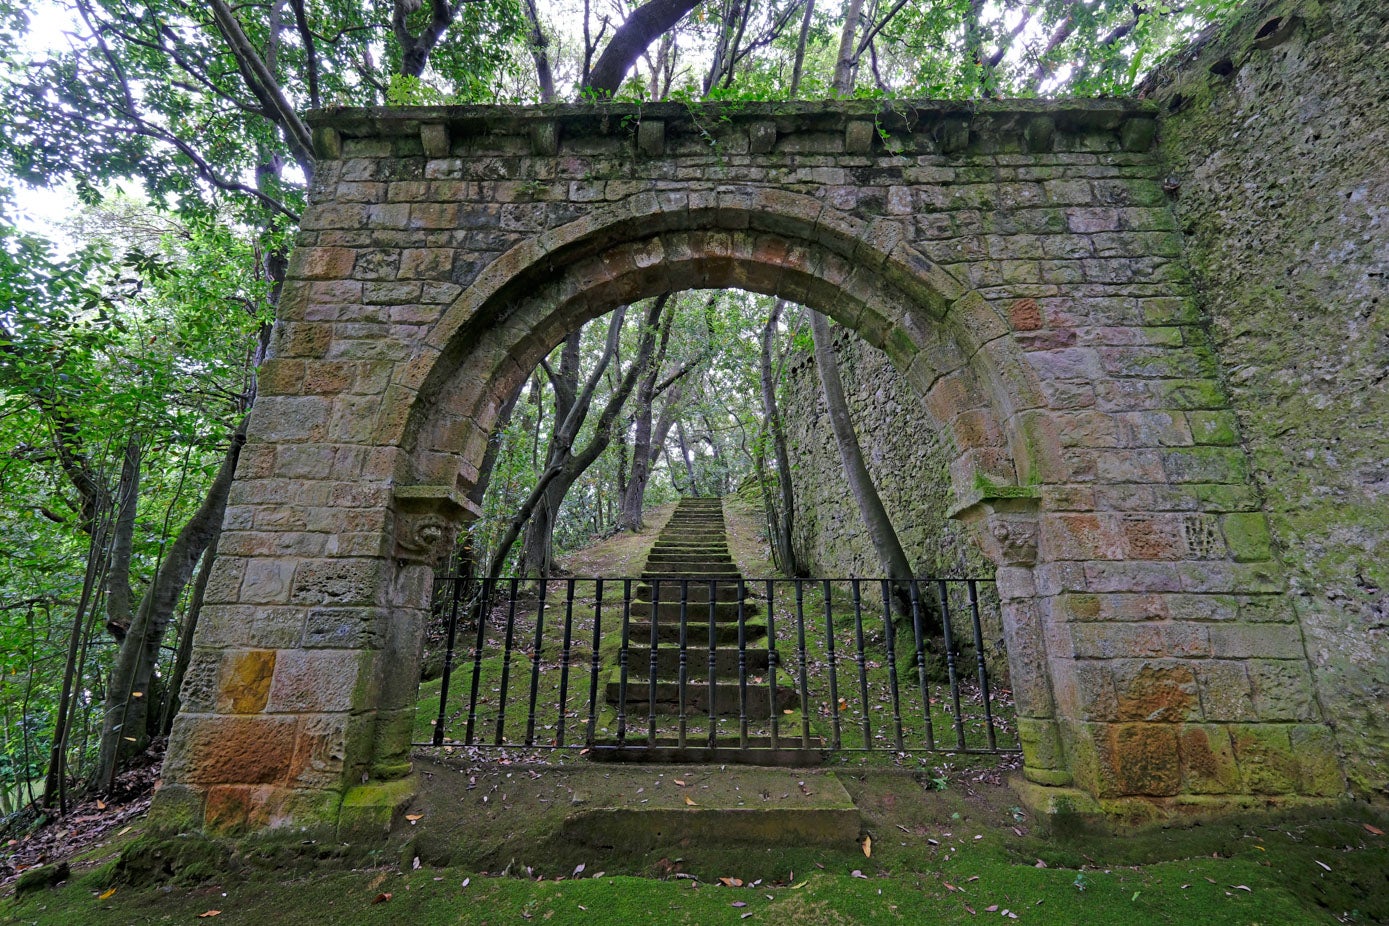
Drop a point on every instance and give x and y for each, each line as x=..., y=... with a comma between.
x=123, y=728
x=647, y=23
x=785, y=519
x=185, y=640
x=891, y=556
x=848, y=59
x=118, y=594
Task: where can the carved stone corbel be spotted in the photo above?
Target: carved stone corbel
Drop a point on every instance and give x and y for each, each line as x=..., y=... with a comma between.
x=1006, y=527
x=427, y=519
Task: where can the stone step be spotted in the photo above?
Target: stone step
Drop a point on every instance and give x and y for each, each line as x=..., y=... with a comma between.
x=696, y=590
x=689, y=559
x=670, y=610
x=692, y=576
x=726, y=697
x=721, y=807
x=696, y=632
x=789, y=751
x=697, y=664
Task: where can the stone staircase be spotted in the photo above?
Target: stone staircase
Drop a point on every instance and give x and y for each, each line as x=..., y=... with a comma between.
x=689, y=552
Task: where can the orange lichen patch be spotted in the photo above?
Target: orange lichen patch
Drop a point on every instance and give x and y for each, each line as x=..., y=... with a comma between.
x=1140, y=758
x=1157, y=693
x=1025, y=314
x=243, y=750
x=1208, y=761
x=245, y=684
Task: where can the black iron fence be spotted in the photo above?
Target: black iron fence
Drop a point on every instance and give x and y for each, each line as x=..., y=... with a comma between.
x=724, y=670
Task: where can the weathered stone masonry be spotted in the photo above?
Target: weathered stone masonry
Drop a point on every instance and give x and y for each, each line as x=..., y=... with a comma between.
x=1018, y=262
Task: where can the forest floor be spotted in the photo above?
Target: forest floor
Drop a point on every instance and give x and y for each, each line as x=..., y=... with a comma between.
x=486, y=843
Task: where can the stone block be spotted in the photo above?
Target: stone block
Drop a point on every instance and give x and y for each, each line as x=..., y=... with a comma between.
x=1208, y=763
x=1282, y=689
x=244, y=681
x=266, y=581
x=339, y=582
x=544, y=137
x=1214, y=427
x=858, y=136
x=208, y=749
x=1263, y=641
x=1041, y=744
x=651, y=137
x=761, y=137
x=1155, y=691
x=1225, y=691
x=1265, y=756
x=1138, y=759
x=321, y=680
x=1319, y=769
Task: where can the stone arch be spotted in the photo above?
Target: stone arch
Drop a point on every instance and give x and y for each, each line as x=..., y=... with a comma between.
x=952, y=346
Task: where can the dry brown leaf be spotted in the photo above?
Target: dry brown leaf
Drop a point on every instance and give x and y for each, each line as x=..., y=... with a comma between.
x=679, y=782
x=731, y=882
x=868, y=847
x=690, y=802
x=1372, y=829
x=412, y=817
x=382, y=897
x=106, y=894
x=100, y=805
x=203, y=916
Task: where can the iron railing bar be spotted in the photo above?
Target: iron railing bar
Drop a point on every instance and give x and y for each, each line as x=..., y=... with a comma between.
x=834, y=666
x=742, y=665
x=773, y=662
x=890, y=636
x=622, y=662
x=595, y=662
x=950, y=666
x=857, y=594
x=456, y=591
x=651, y=679
x=713, y=664
x=535, y=659
x=565, y=655
x=983, y=667
x=805, y=679
x=919, y=636
x=483, y=606
x=683, y=664
x=506, y=659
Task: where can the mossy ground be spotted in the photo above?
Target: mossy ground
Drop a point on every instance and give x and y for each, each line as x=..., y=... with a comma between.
x=936, y=856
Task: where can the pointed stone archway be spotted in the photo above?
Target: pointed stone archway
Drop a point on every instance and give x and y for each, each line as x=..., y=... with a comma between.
x=1017, y=262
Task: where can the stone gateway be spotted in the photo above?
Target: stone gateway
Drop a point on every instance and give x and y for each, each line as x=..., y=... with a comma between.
x=1020, y=264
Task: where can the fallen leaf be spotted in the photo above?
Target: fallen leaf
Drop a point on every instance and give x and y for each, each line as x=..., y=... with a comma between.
x=690, y=802
x=1040, y=864
x=868, y=847
x=971, y=910
x=382, y=897
x=415, y=864
x=739, y=903
x=731, y=882
x=971, y=879
x=1372, y=829
x=992, y=908
x=203, y=916
x=466, y=882
x=1243, y=887
x=100, y=805
x=1322, y=864
x=578, y=870
x=858, y=874
x=949, y=886
x=412, y=817
x=679, y=782
x=106, y=893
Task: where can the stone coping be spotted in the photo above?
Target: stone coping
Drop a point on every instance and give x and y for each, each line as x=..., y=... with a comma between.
x=713, y=119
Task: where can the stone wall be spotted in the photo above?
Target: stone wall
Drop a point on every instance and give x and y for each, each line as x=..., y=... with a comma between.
x=1277, y=137
x=906, y=455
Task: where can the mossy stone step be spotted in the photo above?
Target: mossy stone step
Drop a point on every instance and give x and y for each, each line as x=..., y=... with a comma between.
x=727, y=697
x=789, y=752
x=696, y=590
x=697, y=661
x=724, y=611
x=696, y=632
